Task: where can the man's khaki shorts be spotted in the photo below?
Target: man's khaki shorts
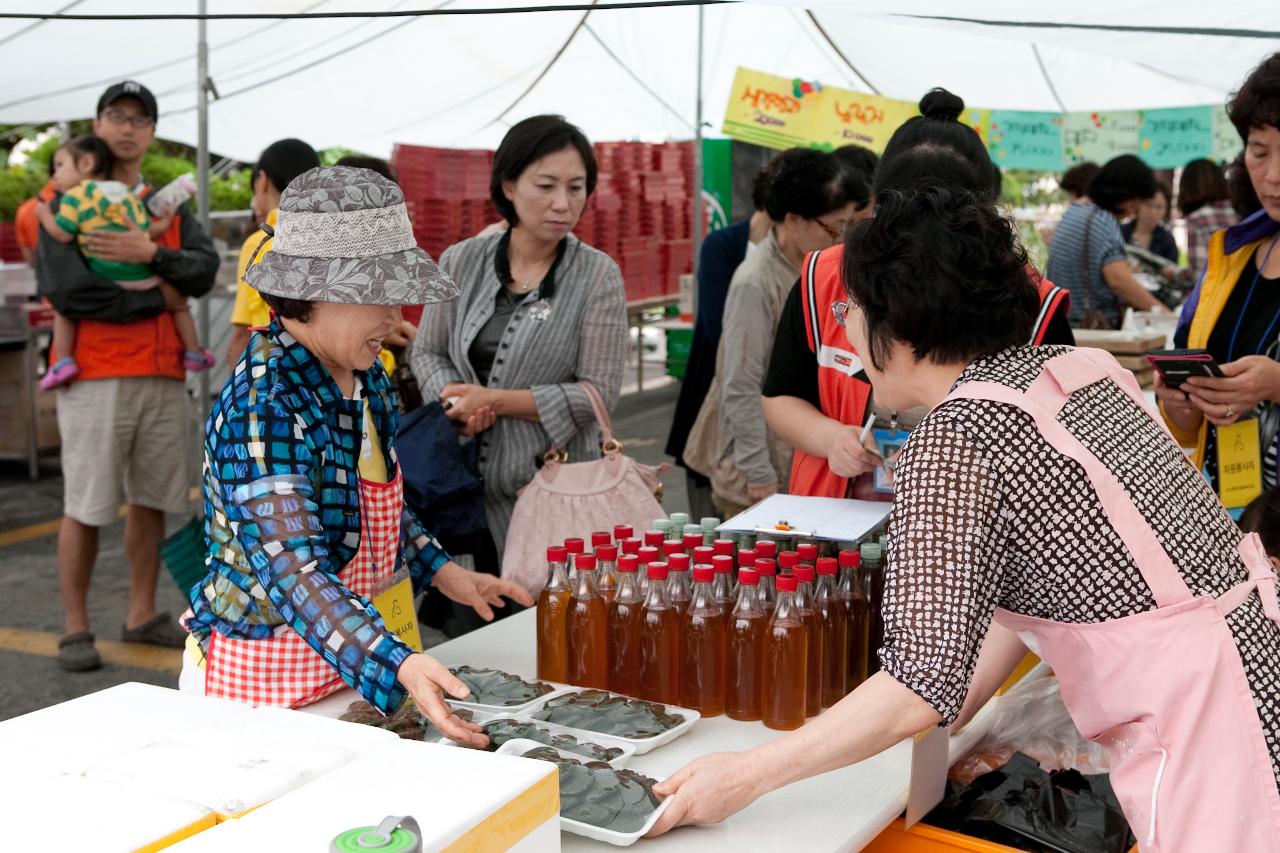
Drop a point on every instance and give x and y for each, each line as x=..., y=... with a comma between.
x=124, y=439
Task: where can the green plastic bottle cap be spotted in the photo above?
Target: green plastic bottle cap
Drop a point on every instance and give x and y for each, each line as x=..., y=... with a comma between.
x=393, y=835
x=710, y=522
x=679, y=520
x=870, y=551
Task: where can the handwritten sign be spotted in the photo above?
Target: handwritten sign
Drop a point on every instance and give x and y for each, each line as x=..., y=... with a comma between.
x=1226, y=140
x=395, y=606
x=766, y=110
x=1098, y=136
x=1025, y=140
x=1172, y=138
x=856, y=118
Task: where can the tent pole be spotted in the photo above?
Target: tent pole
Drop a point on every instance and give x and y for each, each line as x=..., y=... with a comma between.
x=698, y=207
x=202, y=176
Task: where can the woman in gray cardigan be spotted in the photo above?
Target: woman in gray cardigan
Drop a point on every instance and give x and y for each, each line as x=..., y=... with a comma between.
x=539, y=311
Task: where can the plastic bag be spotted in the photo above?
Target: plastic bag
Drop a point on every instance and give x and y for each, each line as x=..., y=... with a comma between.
x=1022, y=806
x=1032, y=719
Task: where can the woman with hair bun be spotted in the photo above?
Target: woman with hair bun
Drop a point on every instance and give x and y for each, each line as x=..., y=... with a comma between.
x=1038, y=499
x=811, y=197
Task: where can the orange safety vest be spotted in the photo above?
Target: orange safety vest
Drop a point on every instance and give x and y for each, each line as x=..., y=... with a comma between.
x=843, y=386
x=149, y=347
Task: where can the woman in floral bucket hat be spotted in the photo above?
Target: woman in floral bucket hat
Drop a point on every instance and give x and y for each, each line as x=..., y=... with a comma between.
x=305, y=518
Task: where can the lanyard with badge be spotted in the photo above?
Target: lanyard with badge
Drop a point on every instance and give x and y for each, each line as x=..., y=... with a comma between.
x=393, y=595
x=1240, y=444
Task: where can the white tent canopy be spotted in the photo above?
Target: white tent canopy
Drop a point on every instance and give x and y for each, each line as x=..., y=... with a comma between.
x=460, y=81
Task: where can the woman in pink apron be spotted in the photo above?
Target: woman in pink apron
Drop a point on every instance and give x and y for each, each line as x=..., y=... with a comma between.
x=305, y=515
x=1039, y=505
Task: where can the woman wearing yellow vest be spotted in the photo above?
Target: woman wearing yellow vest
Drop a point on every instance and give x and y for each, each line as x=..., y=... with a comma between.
x=1235, y=314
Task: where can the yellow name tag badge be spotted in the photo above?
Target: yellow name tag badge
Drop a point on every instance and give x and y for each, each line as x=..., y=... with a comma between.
x=1239, y=463
x=395, y=605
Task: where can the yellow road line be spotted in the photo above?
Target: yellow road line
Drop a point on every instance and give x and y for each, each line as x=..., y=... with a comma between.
x=45, y=644
x=50, y=528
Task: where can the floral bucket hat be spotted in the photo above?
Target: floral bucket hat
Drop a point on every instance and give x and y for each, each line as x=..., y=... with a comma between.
x=343, y=235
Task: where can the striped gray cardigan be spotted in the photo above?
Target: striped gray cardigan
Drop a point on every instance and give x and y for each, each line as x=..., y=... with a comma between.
x=583, y=338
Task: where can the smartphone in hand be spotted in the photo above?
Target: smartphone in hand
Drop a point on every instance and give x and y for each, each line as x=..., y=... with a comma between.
x=1178, y=365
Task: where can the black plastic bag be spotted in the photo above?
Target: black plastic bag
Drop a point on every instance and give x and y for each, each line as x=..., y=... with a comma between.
x=1021, y=806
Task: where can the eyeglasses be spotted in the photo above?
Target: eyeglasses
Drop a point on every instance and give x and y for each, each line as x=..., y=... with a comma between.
x=833, y=231
x=840, y=310
x=118, y=117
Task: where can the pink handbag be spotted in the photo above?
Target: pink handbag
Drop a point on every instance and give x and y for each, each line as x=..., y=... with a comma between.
x=567, y=499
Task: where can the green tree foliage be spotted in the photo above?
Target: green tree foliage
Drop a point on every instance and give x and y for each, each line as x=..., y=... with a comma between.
x=17, y=184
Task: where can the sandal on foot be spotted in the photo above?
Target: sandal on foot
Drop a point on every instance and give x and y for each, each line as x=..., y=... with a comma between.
x=161, y=630
x=76, y=653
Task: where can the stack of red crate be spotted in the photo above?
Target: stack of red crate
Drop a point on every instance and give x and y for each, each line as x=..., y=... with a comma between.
x=640, y=214
x=9, y=251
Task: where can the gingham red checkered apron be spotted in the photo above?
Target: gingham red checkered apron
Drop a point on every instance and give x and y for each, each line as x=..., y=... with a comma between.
x=283, y=670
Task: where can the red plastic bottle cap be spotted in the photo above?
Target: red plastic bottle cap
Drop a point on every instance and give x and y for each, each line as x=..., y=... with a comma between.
x=585, y=562
x=678, y=563
x=703, y=554
x=788, y=559
x=654, y=538
x=722, y=565
x=766, y=567
x=557, y=554
x=691, y=541
x=657, y=571
x=808, y=552
x=850, y=559
x=609, y=553
x=601, y=538
x=703, y=574
x=672, y=546
x=826, y=565
x=787, y=583
x=628, y=563
x=648, y=555
x=631, y=545
x=623, y=531
x=748, y=577
x=804, y=574
x=747, y=557
x=724, y=547
x=767, y=549
x=575, y=546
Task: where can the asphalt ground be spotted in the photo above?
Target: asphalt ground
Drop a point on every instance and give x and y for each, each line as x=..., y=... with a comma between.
x=31, y=613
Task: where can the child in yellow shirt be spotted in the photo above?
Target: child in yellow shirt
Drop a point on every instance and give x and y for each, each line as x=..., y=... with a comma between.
x=90, y=201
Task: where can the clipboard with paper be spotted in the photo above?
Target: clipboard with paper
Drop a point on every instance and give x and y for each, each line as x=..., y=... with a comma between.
x=834, y=519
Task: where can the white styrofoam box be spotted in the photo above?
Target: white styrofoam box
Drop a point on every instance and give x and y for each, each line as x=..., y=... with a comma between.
x=447, y=790
x=75, y=813
x=282, y=722
x=519, y=746
x=230, y=835
x=227, y=771
x=69, y=736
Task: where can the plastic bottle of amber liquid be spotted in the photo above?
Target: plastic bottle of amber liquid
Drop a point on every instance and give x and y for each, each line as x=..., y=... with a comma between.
x=553, y=612
x=626, y=621
x=575, y=547
x=786, y=661
x=768, y=570
x=607, y=572
x=747, y=625
x=722, y=585
x=807, y=607
x=622, y=532
x=659, y=643
x=679, y=585
x=835, y=634
x=854, y=600
x=702, y=672
x=588, y=629
x=808, y=553
x=872, y=570
x=648, y=556
x=787, y=562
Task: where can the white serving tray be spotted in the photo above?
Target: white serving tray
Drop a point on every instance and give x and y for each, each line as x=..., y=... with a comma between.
x=641, y=746
x=519, y=746
x=510, y=709
x=628, y=748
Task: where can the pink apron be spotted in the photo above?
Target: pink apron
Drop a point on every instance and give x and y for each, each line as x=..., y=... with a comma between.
x=1163, y=691
x=282, y=669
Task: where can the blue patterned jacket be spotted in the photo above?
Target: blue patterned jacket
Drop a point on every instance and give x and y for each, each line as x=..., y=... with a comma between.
x=282, y=513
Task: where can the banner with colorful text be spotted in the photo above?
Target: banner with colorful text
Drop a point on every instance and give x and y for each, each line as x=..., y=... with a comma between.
x=777, y=112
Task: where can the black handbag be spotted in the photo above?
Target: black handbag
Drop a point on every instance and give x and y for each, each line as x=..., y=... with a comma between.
x=442, y=482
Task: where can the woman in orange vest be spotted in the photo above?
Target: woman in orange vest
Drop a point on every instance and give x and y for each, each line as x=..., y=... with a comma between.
x=816, y=394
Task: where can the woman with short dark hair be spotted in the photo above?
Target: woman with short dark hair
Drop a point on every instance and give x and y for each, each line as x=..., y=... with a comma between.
x=1039, y=500
x=1205, y=203
x=1234, y=312
x=811, y=197
x=1087, y=256
x=539, y=314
